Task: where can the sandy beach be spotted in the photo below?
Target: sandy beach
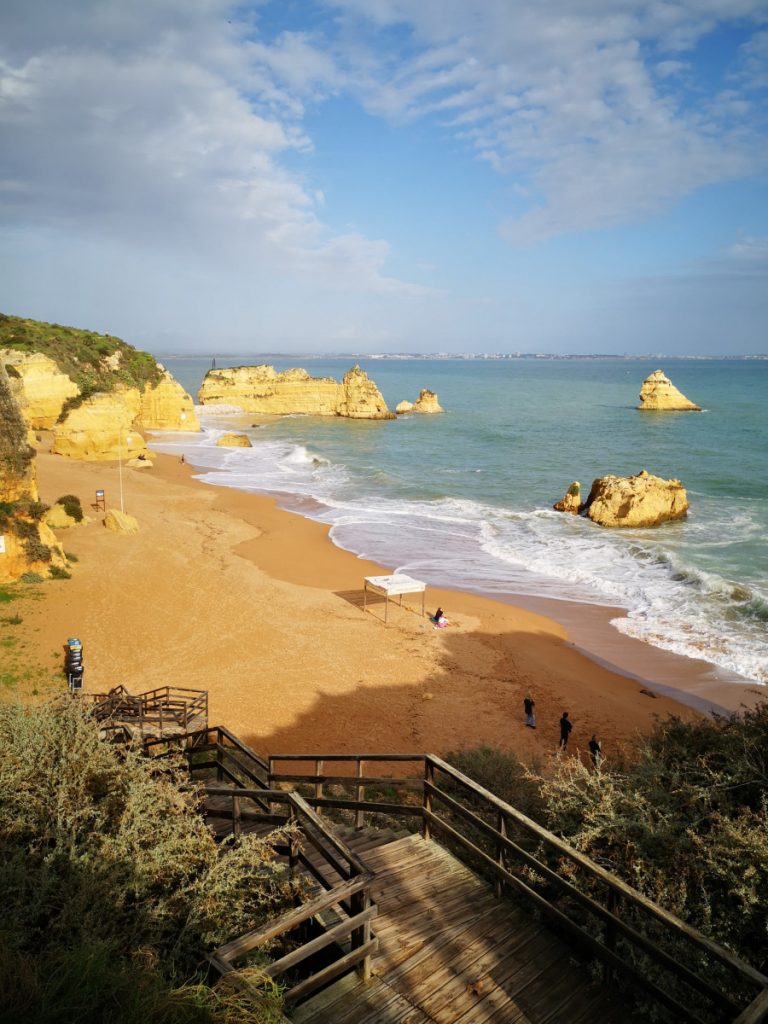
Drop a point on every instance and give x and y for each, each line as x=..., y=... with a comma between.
x=224, y=591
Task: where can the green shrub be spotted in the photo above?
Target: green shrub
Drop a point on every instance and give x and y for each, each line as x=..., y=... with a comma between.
x=11, y=370
x=71, y=557
x=111, y=884
x=58, y=572
x=36, y=551
x=25, y=529
x=31, y=577
x=68, y=499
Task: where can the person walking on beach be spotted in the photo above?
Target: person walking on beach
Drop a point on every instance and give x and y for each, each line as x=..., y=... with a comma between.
x=565, y=730
x=595, y=750
x=530, y=716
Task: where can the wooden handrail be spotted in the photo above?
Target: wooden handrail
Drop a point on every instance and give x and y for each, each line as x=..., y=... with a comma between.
x=506, y=849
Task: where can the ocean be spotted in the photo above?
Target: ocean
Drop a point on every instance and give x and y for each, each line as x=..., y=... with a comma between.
x=464, y=500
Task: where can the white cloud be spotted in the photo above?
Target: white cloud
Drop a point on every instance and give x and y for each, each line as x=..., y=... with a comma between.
x=565, y=98
x=168, y=120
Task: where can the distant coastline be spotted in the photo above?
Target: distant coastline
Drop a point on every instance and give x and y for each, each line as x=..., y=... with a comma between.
x=453, y=356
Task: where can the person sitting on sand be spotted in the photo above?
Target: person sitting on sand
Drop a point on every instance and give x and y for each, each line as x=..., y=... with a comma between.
x=439, y=619
x=595, y=751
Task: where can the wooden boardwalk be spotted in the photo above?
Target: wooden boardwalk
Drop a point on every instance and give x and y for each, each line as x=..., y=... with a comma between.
x=450, y=953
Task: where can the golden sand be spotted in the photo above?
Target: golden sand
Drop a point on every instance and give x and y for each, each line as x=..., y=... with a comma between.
x=221, y=590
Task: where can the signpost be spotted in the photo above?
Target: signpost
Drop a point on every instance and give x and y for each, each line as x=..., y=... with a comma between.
x=101, y=502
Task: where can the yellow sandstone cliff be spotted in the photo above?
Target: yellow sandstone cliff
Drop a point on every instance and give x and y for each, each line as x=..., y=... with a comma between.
x=40, y=387
x=103, y=427
x=263, y=390
x=658, y=393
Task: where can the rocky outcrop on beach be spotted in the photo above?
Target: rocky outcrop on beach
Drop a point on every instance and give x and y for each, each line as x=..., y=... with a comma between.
x=120, y=522
x=426, y=403
x=55, y=371
x=635, y=501
x=658, y=393
x=234, y=441
x=571, y=501
x=27, y=543
x=262, y=389
x=103, y=427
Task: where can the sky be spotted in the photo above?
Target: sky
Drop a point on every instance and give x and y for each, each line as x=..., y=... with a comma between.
x=382, y=176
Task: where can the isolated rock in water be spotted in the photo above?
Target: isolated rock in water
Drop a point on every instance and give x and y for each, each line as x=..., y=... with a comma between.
x=234, y=441
x=120, y=522
x=361, y=399
x=140, y=463
x=641, y=500
x=571, y=502
x=426, y=403
x=293, y=392
x=659, y=393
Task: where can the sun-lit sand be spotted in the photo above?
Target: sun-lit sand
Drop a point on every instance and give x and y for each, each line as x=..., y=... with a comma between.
x=223, y=591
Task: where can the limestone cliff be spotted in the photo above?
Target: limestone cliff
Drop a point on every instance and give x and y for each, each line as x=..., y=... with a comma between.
x=40, y=387
x=642, y=500
x=56, y=371
x=166, y=406
x=426, y=403
x=26, y=542
x=102, y=427
x=262, y=389
x=659, y=393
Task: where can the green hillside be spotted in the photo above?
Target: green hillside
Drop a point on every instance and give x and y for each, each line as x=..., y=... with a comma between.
x=83, y=355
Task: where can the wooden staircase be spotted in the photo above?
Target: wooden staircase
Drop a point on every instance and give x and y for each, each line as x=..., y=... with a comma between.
x=450, y=953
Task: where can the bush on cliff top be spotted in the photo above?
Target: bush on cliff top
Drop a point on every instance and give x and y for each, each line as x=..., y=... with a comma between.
x=110, y=881
x=82, y=355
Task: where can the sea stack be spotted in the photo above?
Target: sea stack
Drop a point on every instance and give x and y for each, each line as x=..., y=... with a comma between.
x=632, y=501
x=571, y=500
x=426, y=403
x=262, y=389
x=658, y=393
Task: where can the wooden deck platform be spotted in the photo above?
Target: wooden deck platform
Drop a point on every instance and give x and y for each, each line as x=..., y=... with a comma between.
x=450, y=953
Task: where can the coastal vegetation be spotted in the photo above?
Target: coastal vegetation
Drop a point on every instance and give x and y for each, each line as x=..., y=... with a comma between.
x=95, y=362
x=112, y=886
x=684, y=820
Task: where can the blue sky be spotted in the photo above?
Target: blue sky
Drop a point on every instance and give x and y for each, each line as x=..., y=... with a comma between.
x=389, y=175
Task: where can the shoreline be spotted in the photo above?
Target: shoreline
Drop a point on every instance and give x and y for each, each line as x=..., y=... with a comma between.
x=586, y=627
x=224, y=590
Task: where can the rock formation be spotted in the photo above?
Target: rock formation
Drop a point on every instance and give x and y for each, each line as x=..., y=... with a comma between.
x=48, y=364
x=39, y=386
x=571, y=501
x=166, y=406
x=262, y=389
x=141, y=462
x=102, y=427
x=641, y=500
x=659, y=393
x=120, y=522
x=426, y=403
x=26, y=542
x=234, y=441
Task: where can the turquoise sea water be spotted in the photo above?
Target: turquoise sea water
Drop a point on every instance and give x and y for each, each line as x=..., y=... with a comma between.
x=465, y=499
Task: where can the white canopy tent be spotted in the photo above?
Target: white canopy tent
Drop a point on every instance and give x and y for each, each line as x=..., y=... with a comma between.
x=393, y=586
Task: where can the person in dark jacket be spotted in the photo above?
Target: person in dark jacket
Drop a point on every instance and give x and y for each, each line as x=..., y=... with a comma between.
x=530, y=715
x=594, y=751
x=565, y=730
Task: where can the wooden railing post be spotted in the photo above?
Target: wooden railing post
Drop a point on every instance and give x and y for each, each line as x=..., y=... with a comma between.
x=611, y=905
x=429, y=777
x=293, y=848
x=360, y=936
x=359, y=820
x=236, y=816
x=319, y=768
x=498, y=886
